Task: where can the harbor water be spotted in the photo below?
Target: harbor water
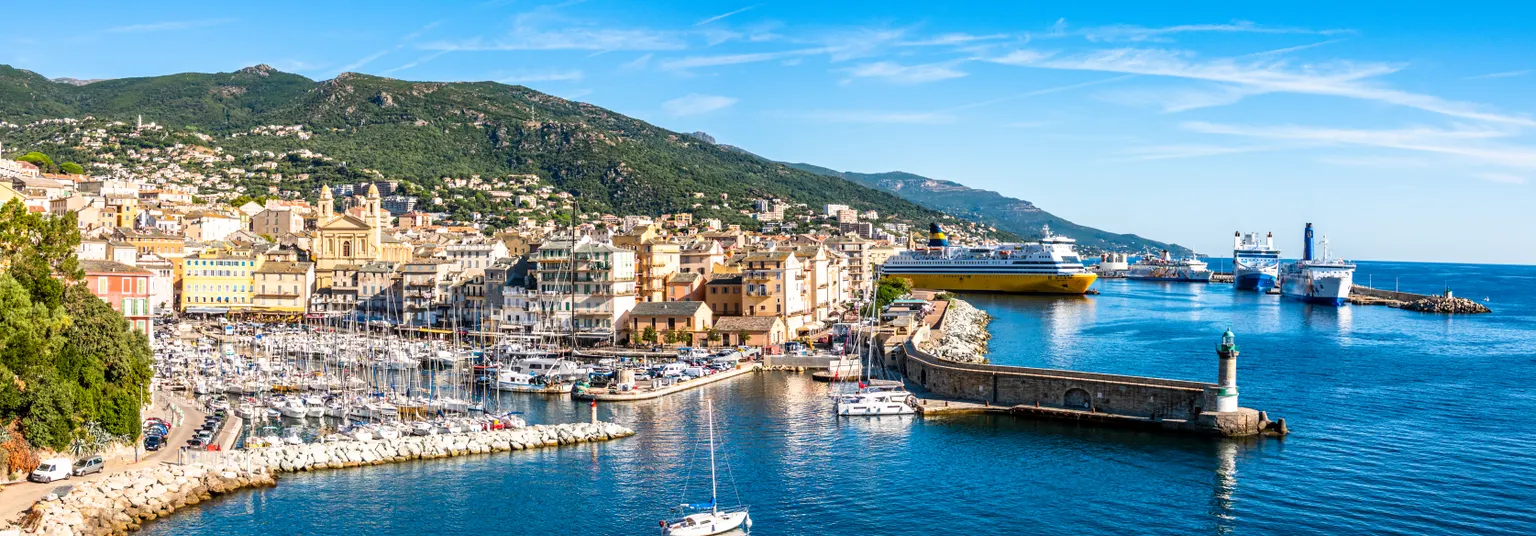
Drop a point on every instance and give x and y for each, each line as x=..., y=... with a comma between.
x=1403, y=423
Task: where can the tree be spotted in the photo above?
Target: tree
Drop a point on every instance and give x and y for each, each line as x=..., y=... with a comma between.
x=648, y=335
x=743, y=336
x=891, y=289
x=40, y=160
x=72, y=168
x=713, y=336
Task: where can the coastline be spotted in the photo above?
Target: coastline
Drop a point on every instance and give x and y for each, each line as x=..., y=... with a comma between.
x=122, y=502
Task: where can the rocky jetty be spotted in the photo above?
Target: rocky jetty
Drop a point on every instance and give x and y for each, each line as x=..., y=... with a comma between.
x=1437, y=304
x=120, y=503
x=963, y=336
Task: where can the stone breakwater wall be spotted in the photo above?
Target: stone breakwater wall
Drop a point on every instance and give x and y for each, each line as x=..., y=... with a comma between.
x=963, y=334
x=119, y=503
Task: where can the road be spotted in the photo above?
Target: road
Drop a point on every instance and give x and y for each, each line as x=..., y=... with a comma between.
x=17, y=498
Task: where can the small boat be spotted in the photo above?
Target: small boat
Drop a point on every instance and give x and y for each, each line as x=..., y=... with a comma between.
x=708, y=518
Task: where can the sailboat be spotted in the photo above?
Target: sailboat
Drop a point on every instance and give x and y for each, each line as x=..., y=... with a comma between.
x=708, y=518
x=878, y=397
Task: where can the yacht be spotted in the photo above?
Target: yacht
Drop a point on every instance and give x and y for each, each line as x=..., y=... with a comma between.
x=708, y=518
x=879, y=398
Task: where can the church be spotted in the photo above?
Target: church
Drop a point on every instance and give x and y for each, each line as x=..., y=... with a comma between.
x=347, y=240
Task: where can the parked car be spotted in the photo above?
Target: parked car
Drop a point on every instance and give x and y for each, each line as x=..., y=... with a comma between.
x=154, y=442
x=195, y=442
x=85, y=466
x=50, y=470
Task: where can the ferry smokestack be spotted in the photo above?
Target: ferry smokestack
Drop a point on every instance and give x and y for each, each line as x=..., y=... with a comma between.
x=1237, y=239
x=936, y=236
x=1306, y=251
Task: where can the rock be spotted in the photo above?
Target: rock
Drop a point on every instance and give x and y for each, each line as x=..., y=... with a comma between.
x=964, y=335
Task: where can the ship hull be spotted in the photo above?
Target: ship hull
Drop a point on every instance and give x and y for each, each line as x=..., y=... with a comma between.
x=1003, y=283
x=1261, y=282
x=1330, y=289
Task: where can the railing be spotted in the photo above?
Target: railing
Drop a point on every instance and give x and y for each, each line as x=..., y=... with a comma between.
x=756, y=275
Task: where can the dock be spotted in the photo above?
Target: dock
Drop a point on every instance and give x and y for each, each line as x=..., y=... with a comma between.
x=608, y=395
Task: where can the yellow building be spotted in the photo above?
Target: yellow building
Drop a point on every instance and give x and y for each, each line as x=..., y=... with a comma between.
x=284, y=286
x=344, y=239
x=219, y=281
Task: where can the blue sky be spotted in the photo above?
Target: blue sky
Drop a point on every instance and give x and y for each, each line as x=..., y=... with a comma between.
x=1402, y=132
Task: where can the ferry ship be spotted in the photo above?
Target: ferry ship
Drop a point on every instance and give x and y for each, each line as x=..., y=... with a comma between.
x=1255, y=265
x=1049, y=266
x=1325, y=281
x=1165, y=268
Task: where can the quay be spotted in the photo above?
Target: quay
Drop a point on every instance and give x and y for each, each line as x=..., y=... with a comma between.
x=1428, y=303
x=609, y=395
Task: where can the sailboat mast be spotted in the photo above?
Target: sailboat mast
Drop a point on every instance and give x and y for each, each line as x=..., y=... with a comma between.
x=713, y=500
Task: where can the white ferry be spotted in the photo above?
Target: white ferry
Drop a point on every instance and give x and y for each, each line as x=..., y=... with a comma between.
x=1325, y=281
x=1165, y=268
x=1255, y=264
x=1049, y=266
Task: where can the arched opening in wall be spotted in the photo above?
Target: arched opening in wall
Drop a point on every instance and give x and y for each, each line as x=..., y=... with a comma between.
x=924, y=379
x=346, y=248
x=1076, y=399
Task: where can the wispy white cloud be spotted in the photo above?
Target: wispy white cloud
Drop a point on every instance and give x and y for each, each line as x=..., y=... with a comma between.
x=555, y=76
x=695, y=104
x=417, y=61
x=694, y=62
x=1133, y=33
x=168, y=25
x=351, y=67
x=1258, y=76
x=575, y=94
x=1042, y=91
x=880, y=117
x=952, y=39
x=638, y=63
x=907, y=74
x=1505, y=74
x=1464, y=142
x=1502, y=178
x=540, y=30
x=724, y=15
x=1174, y=151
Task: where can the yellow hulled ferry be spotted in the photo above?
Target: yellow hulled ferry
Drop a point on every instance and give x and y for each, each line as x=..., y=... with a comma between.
x=1049, y=266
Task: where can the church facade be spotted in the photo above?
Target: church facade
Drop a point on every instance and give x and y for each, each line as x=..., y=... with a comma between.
x=346, y=240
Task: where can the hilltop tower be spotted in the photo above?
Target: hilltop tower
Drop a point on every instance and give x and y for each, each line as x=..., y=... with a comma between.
x=1226, y=374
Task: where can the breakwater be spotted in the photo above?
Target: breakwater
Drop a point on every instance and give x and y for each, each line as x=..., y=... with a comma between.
x=1111, y=399
x=121, y=502
x=962, y=334
x=1424, y=303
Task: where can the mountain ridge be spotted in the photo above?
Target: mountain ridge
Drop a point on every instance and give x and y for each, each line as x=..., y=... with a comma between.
x=1016, y=216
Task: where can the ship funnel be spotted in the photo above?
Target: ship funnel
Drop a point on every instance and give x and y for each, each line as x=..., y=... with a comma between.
x=936, y=236
x=1237, y=240
x=1306, y=244
x=1270, y=240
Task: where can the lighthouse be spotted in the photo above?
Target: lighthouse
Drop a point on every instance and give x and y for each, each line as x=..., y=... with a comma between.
x=1226, y=375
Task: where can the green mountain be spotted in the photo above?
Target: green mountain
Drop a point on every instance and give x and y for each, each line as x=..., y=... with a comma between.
x=1016, y=216
x=422, y=132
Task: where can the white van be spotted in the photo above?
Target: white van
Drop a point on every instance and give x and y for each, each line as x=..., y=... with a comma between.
x=673, y=369
x=51, y=470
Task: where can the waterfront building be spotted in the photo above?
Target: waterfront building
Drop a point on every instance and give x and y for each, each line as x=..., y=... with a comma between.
x=217, y=281
x=126, y=288
x=764, y=331
x=585, y=285
x=284, y=286
x=519, y=310
x=684, y=286
x=154, y=241
x=425, y=284
x=723, y=295
x=860, y=271
x=773, y=284
x=687, y=322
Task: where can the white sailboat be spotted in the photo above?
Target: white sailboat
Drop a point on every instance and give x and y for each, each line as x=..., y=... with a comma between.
x=708, y=518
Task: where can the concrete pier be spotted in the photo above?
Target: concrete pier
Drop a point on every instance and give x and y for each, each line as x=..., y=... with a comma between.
x=1106, y=399
x=608, y=395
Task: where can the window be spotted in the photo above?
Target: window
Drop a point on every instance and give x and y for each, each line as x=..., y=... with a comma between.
x=101, y=285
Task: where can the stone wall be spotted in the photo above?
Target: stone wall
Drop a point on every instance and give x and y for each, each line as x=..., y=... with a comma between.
x=121, y=502
x=1062, y=389
x=963, y=335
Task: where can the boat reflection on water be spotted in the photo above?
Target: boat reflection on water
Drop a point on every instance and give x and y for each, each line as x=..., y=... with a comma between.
x=1329, y=318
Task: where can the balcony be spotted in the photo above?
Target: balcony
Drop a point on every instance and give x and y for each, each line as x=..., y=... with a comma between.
x=757, y=275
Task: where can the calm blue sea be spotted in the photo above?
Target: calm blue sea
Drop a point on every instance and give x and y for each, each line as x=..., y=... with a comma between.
x=1403, y=423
